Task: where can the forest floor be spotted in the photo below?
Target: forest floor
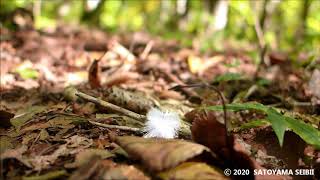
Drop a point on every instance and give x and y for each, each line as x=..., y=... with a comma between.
x=50, y=130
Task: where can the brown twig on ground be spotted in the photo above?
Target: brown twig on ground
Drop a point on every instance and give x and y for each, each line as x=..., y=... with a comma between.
x=113, y=107
x=173, y=78
x=147, y=50
x=126, y=128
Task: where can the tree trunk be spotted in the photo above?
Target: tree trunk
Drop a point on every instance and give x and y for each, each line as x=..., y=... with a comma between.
x=300, y=33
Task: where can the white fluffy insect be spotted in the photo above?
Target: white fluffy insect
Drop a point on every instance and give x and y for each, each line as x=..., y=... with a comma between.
x=161, y=124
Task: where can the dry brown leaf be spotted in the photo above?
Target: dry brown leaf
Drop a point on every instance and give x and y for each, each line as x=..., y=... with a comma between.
x=87, y=170
x=5, y=117
x=16, y=154
x=159, y=154
x=123, y=52
x=124, y=172
x=94, y=74
x=120, y=78
x=84, y=156
x=74, y=145
x=193, y=170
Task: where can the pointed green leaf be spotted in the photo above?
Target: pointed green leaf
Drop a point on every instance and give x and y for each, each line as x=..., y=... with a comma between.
x=278, y=121
x=307, y=132
x=254, y=123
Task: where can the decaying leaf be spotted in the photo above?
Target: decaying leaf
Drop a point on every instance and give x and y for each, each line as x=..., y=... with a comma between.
x=47, y=176
x=5, y=117
x=56, y=121
x=74, y=145
x=120, y=78
x=207, y=131
x=16, y=154
x=22, y=118
x=94, y=74
x=5, y=143
x=87, y=169
x=84, y=156
x=193, y=170
x=124, y=172
x=159, y=154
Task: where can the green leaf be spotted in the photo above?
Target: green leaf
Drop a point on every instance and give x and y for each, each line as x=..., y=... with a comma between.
x=280, y=123
x=255, y=123
x=240, y=107
x=49, y=175
x=263, y=82
x=228, y=77
x=28, y=73
x=307, y=132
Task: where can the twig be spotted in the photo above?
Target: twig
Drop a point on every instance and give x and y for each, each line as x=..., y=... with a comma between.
x=204, y=85
x=180, y=83
x=113, y=107
x=126, y=128
x=213, y=88
x=147, y=50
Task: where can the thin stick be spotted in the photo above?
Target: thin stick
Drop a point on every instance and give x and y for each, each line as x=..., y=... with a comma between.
x=147, y=50
x=126, y=128
x=113, y=107
x=204, y=85
x=262, y=46
x=213, y=88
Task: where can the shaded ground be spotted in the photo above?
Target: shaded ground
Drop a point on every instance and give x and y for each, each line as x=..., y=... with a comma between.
x=40, y=71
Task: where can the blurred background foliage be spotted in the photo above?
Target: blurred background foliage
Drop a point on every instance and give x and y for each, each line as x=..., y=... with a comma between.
x=285, y=25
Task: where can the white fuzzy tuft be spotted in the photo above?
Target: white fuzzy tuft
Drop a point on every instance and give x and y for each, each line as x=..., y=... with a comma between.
x=162, y=124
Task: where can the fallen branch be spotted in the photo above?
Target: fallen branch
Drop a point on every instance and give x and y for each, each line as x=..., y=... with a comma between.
x=113, y=107
x=126, y=128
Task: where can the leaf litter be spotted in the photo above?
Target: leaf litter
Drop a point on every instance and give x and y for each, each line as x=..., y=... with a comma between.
x=50, y=130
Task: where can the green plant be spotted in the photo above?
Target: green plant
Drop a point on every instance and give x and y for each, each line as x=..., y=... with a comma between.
x=279, y=122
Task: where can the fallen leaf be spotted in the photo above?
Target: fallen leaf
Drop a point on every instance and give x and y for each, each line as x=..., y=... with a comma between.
x=124, y=172
x=5, y=117
x=159, y=154
x=87, y=169
x=84, y=156
x=5, y=143
x=43, y=135
x=20, y=119
x=193, y=170
x=94, y=74
x=16, y=154
x=47, y=176
x=74, y=145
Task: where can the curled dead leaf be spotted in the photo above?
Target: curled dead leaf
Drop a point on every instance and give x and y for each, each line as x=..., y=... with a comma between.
x=94, y=74
x=159, y=154
x=5, y=117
